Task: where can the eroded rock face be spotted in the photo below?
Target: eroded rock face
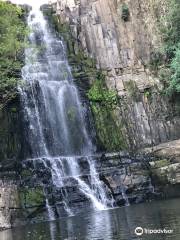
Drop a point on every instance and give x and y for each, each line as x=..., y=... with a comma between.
x=115, y=44
x=123, y=49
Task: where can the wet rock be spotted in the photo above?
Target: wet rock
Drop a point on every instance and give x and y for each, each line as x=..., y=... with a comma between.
x=32, y=197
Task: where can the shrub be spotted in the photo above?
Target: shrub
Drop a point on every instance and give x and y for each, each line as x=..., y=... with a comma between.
x=125, y=12
x=170, y=29
x=175, y=69
x=99, y=93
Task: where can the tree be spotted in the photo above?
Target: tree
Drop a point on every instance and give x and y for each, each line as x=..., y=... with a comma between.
x=175, y=68
x=12, y=43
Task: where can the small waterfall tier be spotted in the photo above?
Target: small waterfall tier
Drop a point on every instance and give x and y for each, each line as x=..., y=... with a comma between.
x=57, y=135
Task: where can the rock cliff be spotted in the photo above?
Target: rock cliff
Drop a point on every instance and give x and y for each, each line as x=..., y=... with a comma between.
x=122, y=37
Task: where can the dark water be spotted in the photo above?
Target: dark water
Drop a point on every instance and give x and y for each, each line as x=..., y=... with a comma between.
x=106, y=225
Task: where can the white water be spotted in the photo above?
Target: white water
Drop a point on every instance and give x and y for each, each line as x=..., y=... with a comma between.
x=50, y=211
x=55, y=115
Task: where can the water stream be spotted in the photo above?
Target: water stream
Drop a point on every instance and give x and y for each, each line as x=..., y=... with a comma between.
x=57, y=133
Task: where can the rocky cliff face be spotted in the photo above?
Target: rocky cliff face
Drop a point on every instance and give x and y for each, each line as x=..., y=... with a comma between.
x=122, y=37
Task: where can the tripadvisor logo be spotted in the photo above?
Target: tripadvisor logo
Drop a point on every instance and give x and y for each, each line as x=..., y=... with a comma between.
x=139, y=231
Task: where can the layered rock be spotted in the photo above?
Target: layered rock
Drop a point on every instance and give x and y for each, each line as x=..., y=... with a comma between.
x=166, y=150
x=129, y=180
x=123, y=48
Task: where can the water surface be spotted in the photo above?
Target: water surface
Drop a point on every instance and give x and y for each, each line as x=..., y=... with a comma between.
x=112, y=224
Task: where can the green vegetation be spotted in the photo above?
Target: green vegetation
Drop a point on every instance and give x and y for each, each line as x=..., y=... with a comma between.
x=170, y=27
x=100, y=93
x=109, y=130
x=147, y=93
x=12, y=35
x=32, y=197
x=171, y=36
x=160, y=163
x=103, y=104
x=175, y=70
x=125, y=12
x=168, y=61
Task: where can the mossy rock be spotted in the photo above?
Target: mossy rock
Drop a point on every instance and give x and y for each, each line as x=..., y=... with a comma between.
x=109, y=132
x=160, y=163
x=32, y=197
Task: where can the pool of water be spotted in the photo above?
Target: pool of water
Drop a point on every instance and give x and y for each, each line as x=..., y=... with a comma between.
x=119, y=223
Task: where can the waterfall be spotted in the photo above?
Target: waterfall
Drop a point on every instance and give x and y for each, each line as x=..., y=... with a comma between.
x=56, y=130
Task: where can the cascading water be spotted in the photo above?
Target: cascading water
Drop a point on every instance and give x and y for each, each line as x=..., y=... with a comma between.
x=57, y=134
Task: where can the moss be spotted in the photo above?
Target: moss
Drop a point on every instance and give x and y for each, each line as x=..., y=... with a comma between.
x=108, y=131
x=32, y=197
x=160, y=163
x=103, y=104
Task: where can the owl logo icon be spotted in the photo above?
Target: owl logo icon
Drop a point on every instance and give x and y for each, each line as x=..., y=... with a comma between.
x=139, y=231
